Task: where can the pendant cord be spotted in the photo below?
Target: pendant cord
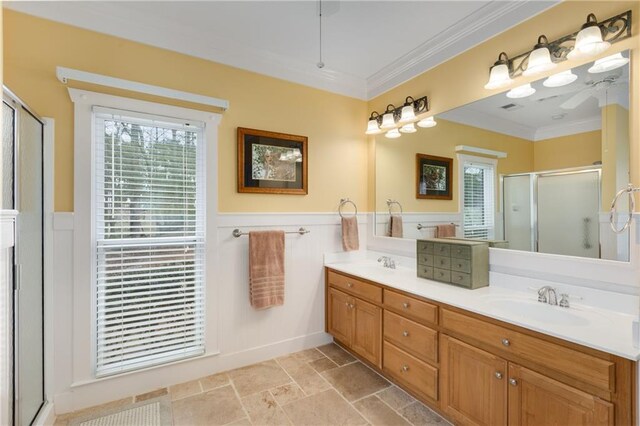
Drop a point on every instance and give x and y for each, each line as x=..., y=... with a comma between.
x=320, y=64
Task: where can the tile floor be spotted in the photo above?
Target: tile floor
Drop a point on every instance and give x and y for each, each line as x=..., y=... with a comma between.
x=321, y=386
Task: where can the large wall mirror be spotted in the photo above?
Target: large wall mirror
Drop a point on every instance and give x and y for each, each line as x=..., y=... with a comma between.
x=536, y=172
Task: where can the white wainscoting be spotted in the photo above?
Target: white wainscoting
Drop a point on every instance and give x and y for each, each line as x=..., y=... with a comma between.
x=245, y=335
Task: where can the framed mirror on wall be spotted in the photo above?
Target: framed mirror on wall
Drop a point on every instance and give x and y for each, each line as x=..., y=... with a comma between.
x=533, y=170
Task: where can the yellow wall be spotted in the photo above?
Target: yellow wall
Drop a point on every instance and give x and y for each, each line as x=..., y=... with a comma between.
x=461, y=80
x=396, y=161
x=615, y=145
x=338, y=150
x=581, y=149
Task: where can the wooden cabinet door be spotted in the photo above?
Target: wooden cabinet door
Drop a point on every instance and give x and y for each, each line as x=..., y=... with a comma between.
x=340, y=319
x=473, y=384
x=366, y=339
x=537, y=400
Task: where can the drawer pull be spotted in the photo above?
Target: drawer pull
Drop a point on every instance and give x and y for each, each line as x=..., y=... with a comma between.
x=405, y=333
x=351, y=305
x=498, y=375
x=506, y=342
x=405, y=305
x=349, y=284
x=405, y=368
x=513, y=382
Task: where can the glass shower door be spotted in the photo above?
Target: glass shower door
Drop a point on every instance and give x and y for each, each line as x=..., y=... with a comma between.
x=568, y=206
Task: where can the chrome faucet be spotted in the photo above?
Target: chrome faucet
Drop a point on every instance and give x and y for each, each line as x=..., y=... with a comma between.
x=387, y=262
x=547, y=294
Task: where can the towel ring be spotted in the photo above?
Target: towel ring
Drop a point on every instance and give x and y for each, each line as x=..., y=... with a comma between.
x=344, y=201
x=632, y=206
x=390, y=202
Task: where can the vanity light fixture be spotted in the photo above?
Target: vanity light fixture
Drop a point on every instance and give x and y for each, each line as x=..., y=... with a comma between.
x=560, y=79
x=540, y=58
x=427, y=122
x=388, y=119
x=608, y=63
x=593, y=38
x=589, y=41
x=393, y=134
x=521, y=91
x=373, y=127
x=402, y=117
x=408, y=128
x=499, y=74
x=407, y=114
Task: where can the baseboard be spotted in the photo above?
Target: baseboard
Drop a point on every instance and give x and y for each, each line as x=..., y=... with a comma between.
x=46, y=416
x=87, y=394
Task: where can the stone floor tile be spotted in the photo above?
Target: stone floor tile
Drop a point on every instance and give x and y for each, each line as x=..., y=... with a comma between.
x=325, y=408
x=379, y=413
x=308, y=379
x=418, y=414
x=264, y=410
x=287, y=393
x=395, y=397
x=214, y=381
x=216, y=407
x=242, y=422
x=355, y=381
x=184, y=390
x=336, y=354
x=153, y=394
x=258, y=377
x=323, y=364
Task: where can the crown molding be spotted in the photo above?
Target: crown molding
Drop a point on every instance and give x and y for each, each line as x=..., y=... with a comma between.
x=569, y=128
x=485, y=23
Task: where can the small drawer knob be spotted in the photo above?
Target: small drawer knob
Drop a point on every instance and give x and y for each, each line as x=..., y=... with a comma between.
x=405, y=368
x=506, y=342
x=349, y=284
x=513, y=382
x=405, y=333
x=405, y=305
x=346, y=303
x=498, y=375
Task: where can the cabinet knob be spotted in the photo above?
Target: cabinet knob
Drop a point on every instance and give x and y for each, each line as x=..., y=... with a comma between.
x=405, y=305
x=346, y=303
x=498, y=375
x=405, y=333
x=351, y=305
x=513, y=382
x=405, y=368
x=506, y=342
x=349, y=284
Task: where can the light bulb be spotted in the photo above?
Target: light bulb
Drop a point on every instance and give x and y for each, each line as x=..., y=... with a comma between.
x=393, y=134
x=609, y=63
x=560, y=79
x=427, y=122
x=521, y=91
x=408, y=128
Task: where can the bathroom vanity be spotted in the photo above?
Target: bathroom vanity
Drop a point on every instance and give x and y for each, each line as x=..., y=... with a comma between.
x=491, y=356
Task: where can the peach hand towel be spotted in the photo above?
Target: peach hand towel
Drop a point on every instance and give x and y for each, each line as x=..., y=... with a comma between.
x=395, y=226
x=266, y=269
x=350, y=239
x=443, y=231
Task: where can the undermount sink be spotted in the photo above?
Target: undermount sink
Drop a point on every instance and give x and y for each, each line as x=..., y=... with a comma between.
x=537, y=311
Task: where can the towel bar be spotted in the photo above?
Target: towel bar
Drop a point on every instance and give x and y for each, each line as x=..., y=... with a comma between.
x=238, y=233
x=421, y=226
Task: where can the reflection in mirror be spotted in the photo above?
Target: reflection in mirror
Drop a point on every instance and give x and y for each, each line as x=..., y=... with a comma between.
x=534, y=173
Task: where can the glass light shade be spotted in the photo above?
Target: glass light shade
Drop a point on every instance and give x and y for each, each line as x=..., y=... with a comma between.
x=393, y=134
x=539, y=61
x=407, y=114
x=560, y=79
x=521, y=91
x=427, y=122
x=498, y=77
x=408, y=128
x=372, y=128
x=588, y=43
x=609, y=63
x=388, y=121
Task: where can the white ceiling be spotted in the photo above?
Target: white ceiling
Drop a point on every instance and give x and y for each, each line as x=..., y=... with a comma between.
x=540, y=116
x=368, y=46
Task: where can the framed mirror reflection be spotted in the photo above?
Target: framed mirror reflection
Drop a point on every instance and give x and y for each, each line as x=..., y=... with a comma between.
x=534, y=168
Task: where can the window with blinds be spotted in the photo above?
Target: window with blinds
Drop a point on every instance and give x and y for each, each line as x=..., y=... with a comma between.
x=149, y=240
x=478, y=198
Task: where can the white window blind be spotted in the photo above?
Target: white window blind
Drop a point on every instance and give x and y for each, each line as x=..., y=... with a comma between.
x=478, y=199
x=150, y=240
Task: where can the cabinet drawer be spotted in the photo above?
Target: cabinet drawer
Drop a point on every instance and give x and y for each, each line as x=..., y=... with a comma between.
x=425, y=271
x=410, y=307
x=409, y=371
x=441, y=249
x=461, y=279
x=583, y=367
x=425, y=259
x=442, y=275
x=425, y=247
x=414, y=338
x=461, y=265
x=356, y=287
x=461, y=252
x=442, y=262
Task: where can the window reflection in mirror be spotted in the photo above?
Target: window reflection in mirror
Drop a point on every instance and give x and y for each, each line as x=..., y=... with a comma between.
x=554, y=162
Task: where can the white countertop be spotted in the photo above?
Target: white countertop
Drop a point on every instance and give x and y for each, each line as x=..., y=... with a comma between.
x=597, y=328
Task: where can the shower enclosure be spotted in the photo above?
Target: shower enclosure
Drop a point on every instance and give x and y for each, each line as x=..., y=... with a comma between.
x=553, y=212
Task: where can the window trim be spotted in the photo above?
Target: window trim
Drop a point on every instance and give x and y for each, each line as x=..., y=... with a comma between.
x=84, y=310
x=493, y=162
